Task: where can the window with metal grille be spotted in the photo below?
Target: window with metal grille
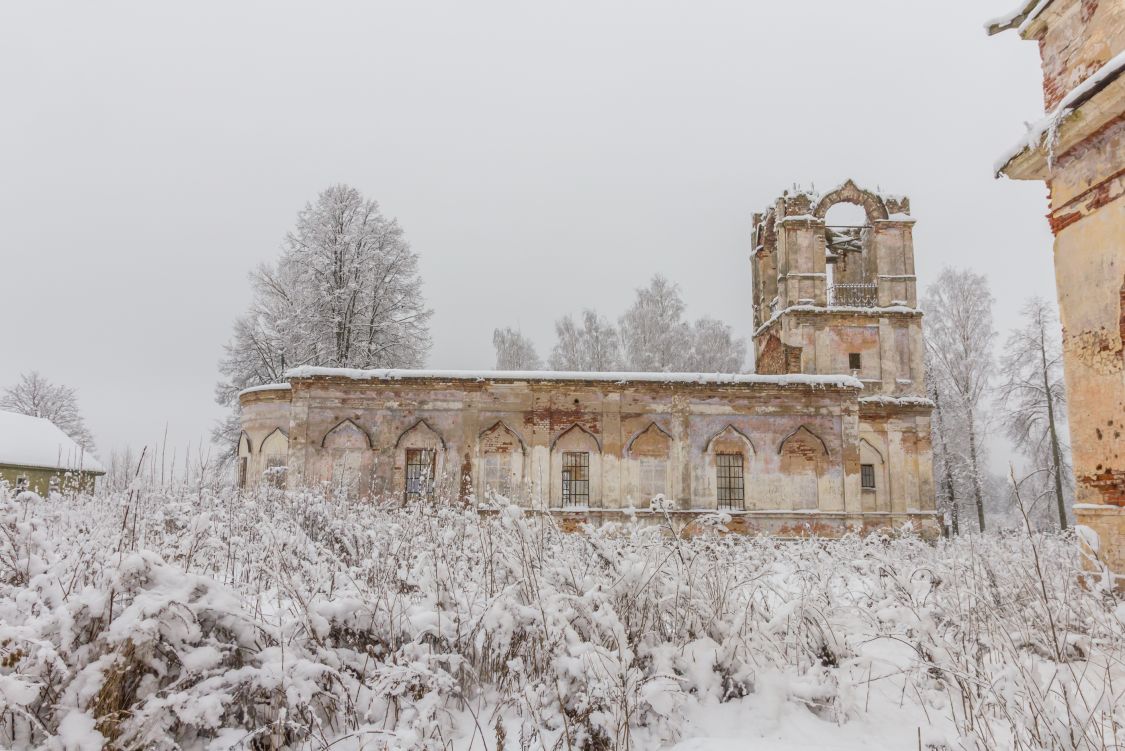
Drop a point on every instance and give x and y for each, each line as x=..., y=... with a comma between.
x=654, y=478
x=576, y=478
x=729, y=481
x=855, y=362
x=867, y=476
x=419, y=474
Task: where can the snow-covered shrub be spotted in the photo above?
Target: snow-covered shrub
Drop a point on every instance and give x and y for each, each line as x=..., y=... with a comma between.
x=186, y=618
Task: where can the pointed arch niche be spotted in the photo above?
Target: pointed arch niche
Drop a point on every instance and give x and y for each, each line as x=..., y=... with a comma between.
x=649, y=468
x=500, y=464
x=804, y=459
x=576, y=469
x=345, y=458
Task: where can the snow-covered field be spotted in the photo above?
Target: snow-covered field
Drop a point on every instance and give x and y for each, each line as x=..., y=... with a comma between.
x=193, y=618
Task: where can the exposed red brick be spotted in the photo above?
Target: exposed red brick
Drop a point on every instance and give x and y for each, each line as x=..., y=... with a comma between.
x=1109, y=484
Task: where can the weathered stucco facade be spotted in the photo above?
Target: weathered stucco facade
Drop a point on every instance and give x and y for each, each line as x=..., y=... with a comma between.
x=1079, y=151
x=811, y=447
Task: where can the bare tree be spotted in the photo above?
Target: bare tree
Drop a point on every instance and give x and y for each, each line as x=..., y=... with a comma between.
x=595, y=346
x=1033, y=395
x=654, y=335
x=36, y=396
x=714, y=348
x=960, y=336
x=514, y=351
x=345, y=293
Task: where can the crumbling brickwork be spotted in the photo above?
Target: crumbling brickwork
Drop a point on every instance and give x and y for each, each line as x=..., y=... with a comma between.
x=636, y=440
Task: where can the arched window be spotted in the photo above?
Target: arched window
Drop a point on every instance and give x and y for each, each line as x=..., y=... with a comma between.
x=419, y=455
x=872, y=478
x=851, y=270
x=729, y=454
x=576, y=469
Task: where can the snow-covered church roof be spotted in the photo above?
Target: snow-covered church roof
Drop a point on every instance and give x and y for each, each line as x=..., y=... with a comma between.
x=722, y=379
x=27, y=441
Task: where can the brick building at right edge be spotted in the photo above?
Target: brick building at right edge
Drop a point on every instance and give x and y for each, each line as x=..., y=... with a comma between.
x=1078, y=149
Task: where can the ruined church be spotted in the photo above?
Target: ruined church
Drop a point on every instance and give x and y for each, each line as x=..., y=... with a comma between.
x=830, y=435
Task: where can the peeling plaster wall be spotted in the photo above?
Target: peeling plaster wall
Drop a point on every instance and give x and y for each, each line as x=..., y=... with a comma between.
x=1077, y=38
x=889, y=344
x=262, y=414
x=1084, y=168
x=619, y=425
x=1090, y=271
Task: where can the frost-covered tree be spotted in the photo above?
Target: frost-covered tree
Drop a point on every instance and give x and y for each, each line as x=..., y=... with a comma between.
x=654, y=336
x=944, y=460
x=714, y=348
x=1033, y=397
x=345, y=292
x=960, y=336
x=36, y=396
x=514, y=351
x=593, y=346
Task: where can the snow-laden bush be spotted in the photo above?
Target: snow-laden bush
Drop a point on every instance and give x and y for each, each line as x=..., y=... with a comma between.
x=191, y=619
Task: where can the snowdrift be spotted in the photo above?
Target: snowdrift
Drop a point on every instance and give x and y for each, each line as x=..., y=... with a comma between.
x=208, y=620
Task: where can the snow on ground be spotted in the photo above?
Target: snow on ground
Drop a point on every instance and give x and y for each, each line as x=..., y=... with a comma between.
x=197, y=618
x=770, y=724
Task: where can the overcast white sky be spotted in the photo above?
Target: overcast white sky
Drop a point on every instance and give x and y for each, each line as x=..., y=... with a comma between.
x=542, y=157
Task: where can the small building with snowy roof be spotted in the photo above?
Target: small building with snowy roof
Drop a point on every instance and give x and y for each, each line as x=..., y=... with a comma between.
x=36, y=454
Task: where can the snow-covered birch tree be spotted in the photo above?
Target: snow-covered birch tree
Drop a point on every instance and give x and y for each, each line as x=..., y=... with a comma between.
x=714, y=348
x=514, y=351
x=944, y=458
x=654, y=336
x=593, y=346
x=1032, y=397
x=345, y=292
x=959, y=336
x=36, y=396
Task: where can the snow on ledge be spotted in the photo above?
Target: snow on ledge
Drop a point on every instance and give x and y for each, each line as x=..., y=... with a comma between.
x=838, y=309
x=1048, y=126
x=1017, y=18
x=897, y=401
x=722, y=379
x=266, y=387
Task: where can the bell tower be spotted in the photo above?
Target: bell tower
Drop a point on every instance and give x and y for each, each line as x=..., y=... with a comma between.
x=838, y=299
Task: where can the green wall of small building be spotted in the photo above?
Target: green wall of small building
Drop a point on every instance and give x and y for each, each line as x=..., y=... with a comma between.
x=39, y=479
